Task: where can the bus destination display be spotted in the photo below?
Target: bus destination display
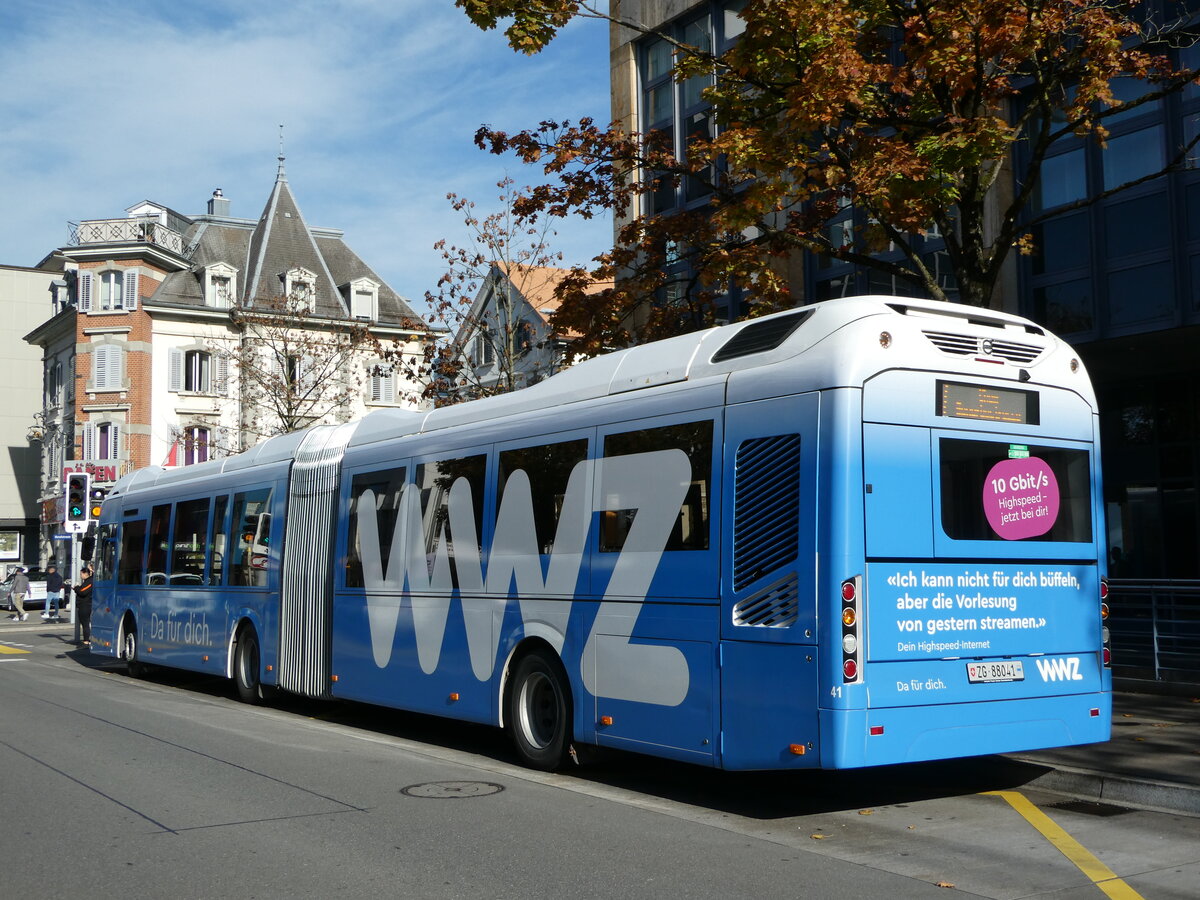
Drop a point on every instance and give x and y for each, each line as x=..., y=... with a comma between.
x=990, y=404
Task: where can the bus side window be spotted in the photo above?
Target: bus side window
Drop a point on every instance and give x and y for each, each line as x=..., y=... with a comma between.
x=189, y=544
x=435, y=480
x=691, y=531
x=549, y=468
x=131, y=561
x=252, y=542
x=107, y=556
x=160, y=524
x=387, y=487
x=219, y=541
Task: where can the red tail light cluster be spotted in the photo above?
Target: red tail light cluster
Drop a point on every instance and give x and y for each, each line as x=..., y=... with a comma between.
x=1106, y=652
x=851, y=631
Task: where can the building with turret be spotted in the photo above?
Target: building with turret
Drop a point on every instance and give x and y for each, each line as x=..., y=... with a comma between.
x=178, y=338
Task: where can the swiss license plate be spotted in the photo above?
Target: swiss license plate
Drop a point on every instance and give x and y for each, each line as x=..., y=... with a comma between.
x=984, y=672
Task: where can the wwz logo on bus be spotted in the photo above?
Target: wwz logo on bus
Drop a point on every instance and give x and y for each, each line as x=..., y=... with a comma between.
x=654, y=484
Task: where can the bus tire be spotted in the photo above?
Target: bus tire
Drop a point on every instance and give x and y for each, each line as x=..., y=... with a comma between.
x=246, y=667
x=129, y=650
x=539, y=711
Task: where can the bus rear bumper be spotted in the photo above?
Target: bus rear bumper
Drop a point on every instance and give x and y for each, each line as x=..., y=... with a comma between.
x=877, y=737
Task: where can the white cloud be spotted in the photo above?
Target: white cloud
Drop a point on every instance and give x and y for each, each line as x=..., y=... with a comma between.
x=107, y=103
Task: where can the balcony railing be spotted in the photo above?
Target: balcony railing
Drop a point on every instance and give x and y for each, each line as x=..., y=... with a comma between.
x=127, y=231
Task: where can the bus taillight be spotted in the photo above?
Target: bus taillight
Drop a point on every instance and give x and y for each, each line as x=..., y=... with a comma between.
x=1106, y=653
x=851, y=644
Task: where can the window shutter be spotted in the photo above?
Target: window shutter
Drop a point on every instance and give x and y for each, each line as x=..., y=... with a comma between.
x=129, y=292
x=114, y=441
x=84, y=288
x=107, y=367
x=89, y=441
x=388, y=387
x=221, y=365
x=175, y=373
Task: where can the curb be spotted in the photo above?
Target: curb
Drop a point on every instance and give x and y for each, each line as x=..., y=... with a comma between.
x=1158, y=796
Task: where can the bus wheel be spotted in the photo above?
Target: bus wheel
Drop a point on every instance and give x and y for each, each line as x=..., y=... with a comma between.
x=129, y=650
x=246, y=667
x=539, y=712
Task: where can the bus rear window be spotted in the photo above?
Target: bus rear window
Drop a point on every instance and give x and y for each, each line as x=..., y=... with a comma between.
x=994, y=491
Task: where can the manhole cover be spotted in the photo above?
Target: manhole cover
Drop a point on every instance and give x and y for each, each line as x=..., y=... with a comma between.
x=452, y=790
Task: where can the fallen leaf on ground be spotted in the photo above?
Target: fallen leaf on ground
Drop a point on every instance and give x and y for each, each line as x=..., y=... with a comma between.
x=945, y=884
x=866, y=812
x=818, y=837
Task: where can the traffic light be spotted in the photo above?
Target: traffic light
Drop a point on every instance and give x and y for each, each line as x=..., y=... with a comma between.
x=95, y=500
x=78, y=484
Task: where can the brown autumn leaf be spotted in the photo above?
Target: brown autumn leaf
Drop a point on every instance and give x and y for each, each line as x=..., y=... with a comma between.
x=818, y=837
x=945, y=884
x=866, y=812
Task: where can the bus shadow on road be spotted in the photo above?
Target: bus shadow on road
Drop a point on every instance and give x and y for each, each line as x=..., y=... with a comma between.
x=756, y=795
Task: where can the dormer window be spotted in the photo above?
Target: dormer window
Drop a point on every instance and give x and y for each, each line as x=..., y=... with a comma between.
x=363, y=294
x=220, y=286
x=299, y=286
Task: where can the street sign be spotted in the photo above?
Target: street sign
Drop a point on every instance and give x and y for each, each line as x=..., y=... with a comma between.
x=62, y=537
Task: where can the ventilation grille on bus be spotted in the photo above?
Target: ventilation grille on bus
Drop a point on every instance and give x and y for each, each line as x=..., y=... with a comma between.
x=776, y=606
x=970, y=345
x=759, y=337
x=766, y=506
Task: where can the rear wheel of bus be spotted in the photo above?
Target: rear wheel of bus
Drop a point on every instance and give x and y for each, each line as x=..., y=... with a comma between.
x=539, y=711
x=246, y=667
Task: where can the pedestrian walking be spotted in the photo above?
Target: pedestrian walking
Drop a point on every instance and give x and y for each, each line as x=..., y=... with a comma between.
x=20, y=587
x=54, y=586
x=83, y=605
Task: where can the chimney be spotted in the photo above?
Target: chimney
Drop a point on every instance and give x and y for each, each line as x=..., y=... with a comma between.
x=218, y=205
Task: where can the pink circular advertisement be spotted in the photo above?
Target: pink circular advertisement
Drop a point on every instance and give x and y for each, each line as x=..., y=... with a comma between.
x=1020, y=498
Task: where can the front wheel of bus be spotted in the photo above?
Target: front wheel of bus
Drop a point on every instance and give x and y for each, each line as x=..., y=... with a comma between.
x=539, y=712
x=246, y=668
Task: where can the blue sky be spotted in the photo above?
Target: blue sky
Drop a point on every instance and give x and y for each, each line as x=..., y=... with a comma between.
x=109, y=102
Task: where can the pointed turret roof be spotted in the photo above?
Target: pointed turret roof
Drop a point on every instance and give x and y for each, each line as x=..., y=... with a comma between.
x=265, y=250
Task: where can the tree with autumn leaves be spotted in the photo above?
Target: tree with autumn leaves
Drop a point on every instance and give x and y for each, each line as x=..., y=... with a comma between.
x=923, y=116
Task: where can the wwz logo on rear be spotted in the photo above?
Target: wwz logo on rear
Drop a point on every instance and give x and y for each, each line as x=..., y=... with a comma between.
x=1060, y=669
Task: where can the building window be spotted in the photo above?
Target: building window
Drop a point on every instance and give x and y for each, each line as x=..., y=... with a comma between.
x=485, y=348
x=112, y=290
x=364, y=299
x=299, y=286
x=106, y=367
x=220, y=286
x=198, y=371
x=54, y=384
x=196, y=374
x=109, y=294
x=101, y=440
x=197, y=443
x=383, y=384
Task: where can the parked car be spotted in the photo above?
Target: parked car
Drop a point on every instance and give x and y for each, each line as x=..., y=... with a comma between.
x=35, y=599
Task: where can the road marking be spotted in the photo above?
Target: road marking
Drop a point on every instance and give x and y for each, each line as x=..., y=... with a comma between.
x=1100, y=874
x=6, y=649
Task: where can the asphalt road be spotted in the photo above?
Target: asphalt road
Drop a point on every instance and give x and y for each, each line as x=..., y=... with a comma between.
x=166, y=787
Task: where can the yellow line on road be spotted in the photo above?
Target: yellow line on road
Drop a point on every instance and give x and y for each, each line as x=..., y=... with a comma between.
x=14, y=650
x=1100, y=874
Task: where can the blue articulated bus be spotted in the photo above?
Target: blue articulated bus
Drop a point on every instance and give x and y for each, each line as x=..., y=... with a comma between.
x=861, y=532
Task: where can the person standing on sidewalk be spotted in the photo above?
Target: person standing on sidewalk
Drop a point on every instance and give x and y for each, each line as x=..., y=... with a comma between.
x=83, y=605
x=54, y=585
x=20, y=587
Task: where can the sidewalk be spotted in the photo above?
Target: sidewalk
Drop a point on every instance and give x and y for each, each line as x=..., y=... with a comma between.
x=1152, y=761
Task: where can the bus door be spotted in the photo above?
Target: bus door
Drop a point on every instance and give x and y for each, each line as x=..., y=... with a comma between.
x=769, y=682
